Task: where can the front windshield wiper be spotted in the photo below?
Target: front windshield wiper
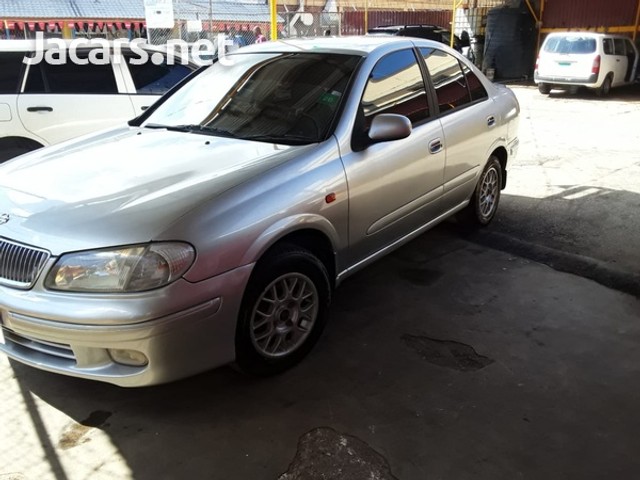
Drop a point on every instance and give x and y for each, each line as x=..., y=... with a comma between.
x=192, y=128
x=285, y=138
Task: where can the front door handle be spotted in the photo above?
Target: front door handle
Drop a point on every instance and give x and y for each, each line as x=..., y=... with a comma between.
x=491, y=120
x=39, y=109
x=435, y=146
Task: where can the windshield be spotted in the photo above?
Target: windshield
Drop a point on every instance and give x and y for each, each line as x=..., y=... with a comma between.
x=570, y=45
x=282, y=97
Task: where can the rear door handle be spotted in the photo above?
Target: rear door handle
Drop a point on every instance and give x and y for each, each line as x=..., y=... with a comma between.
x=491, y=120
x=435, y=146
x=39, y=109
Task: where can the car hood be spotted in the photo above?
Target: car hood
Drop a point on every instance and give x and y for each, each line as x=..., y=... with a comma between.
x=122, y=187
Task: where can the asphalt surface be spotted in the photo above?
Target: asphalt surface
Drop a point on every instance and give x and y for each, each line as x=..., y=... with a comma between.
x=503, y=354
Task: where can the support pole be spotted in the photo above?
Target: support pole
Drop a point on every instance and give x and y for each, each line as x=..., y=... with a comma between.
x=540, y=23
x=456, y=4
x=635, y=30
x=273, y=10
x=453, y=22
x=366, y=16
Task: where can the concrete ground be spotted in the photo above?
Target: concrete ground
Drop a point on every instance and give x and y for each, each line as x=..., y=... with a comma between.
x=512, y=353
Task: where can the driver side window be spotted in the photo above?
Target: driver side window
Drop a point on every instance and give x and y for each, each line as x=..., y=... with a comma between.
x=396, y=86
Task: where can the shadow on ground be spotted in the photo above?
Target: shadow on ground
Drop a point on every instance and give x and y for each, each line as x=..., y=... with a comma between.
x=444, y=360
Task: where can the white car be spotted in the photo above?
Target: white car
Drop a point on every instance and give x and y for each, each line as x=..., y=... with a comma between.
x=43, y=104
x=598, y=61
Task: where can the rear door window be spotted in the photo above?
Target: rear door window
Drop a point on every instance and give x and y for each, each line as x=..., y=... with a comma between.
x=11, y=67
x=448, y=79
x=152, y=79
x=71, y=78
x=476, y=89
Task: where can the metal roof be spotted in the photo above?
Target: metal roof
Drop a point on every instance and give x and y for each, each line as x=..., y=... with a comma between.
x=37, y=9
x=245, y=11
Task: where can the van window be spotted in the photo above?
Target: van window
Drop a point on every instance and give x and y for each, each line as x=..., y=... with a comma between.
x=607, y=46
x=71, y=78
x=152, y=79
x=10, y=71
x=570, y=45
x=618, y=46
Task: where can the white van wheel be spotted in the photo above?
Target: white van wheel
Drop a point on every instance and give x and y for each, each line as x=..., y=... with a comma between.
x=605, y=88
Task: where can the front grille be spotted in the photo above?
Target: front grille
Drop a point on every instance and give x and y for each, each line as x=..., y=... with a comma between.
x=59, y=350
x=20, y=265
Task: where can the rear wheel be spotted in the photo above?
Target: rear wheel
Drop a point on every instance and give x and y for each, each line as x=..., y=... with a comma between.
x=486, y=197
x=283, y=311
x=544, y=88
x=605, y=88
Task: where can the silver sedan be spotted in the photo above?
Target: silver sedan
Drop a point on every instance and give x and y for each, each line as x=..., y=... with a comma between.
x=215, y=227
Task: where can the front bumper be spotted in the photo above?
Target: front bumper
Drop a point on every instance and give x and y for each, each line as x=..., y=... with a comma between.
x=175, y=343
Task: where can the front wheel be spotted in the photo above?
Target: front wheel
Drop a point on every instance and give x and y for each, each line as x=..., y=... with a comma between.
x=486, y=197
x=283, y=311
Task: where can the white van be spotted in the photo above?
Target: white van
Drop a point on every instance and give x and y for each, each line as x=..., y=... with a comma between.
x=42, y=104
x=598, y=61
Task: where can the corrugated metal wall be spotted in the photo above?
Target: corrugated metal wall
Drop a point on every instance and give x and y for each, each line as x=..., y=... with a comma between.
x=589, y=13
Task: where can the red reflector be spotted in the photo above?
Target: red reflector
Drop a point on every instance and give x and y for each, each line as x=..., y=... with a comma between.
x=330, y=198
x=596, y=65
x=537, y=61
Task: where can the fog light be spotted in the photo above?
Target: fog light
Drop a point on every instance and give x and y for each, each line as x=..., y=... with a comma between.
x=128, y=357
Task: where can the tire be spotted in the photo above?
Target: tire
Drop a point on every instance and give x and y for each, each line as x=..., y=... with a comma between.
x=13, y=147
x=283, y=311
x=486, y=196
x=544, y=88
x=605, y=88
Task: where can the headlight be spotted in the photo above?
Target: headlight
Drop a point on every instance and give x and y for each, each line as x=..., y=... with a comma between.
x=121, y=270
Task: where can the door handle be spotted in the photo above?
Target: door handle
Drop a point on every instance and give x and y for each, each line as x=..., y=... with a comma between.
x=39, y=109
x=491, y=120
x=435, y=146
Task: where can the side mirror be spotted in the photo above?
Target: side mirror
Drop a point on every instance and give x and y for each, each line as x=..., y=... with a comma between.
x=387, y=127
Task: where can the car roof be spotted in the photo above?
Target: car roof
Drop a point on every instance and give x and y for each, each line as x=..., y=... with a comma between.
x=358, y=45
x=585, y=33
x=413, y=25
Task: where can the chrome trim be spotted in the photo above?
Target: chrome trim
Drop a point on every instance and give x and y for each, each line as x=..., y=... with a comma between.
x=20, y=265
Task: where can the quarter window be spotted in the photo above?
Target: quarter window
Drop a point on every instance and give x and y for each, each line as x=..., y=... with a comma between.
x=396, y=86
x=448, y=79
x=607, y=46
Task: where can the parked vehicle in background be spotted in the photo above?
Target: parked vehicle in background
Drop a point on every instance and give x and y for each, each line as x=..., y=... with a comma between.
x=214, y=227
x=430, y=32
x=598, y=61
x=43, y=104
